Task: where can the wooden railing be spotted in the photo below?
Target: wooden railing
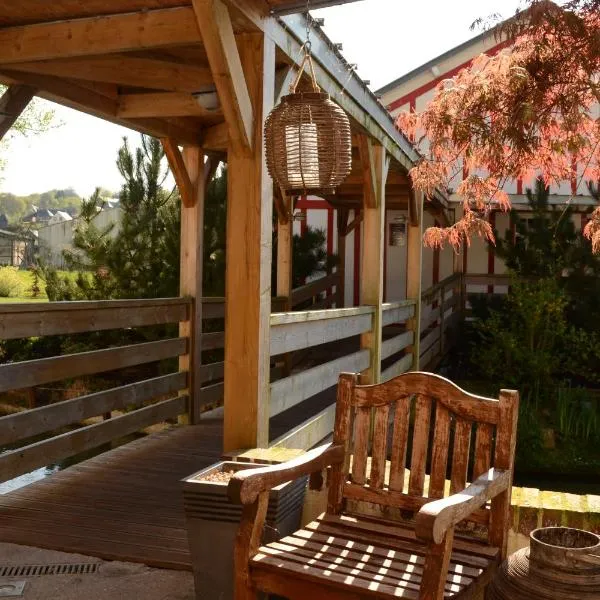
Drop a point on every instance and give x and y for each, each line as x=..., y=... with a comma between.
x=441, y=310
x=140, y=404
x=314, y=291
x=291, y=332
x=395, y=349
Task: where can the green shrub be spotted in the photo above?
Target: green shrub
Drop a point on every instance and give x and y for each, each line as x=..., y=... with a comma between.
x=11, y=283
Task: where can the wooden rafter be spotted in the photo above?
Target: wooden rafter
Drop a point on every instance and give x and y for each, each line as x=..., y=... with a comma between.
x=180, y=172
x=358, y=218
x=69, y=93
x=343, y=214
x=99, y=35
x=215, y=138
x=12, y=103
x=283, y=205
x=367, y=160
x=216, y=28
x=166, y=104
x=126, y=70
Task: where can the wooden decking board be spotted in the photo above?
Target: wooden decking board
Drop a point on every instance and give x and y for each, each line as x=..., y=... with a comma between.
x=125, y=504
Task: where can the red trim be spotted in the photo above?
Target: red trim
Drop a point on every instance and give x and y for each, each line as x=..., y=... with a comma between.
x=304, y=203
x=491, y=254
x=329, y=239
x=408, y=98
x=573, y=176
x=357, y=231
x=519, y=186
x=303, y=223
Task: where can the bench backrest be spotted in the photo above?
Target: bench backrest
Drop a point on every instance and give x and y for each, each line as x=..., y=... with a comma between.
x=405, y=437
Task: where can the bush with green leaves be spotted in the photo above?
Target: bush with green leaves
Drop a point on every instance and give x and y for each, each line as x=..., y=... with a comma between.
x=11, y=283
x=520, y=345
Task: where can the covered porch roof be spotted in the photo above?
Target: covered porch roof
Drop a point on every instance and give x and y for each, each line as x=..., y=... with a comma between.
x=155, y=66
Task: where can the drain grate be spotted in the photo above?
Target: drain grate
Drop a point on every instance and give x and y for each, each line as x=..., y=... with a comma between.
x=39, y=570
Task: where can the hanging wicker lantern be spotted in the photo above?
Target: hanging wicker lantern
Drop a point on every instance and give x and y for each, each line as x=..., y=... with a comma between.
x=308, y=141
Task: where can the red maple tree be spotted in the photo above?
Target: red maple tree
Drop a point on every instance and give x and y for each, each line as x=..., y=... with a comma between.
x=531, y=110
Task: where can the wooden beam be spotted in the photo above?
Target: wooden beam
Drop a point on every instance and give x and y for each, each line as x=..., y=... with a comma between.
x=69, y=93
x=367, y=161
x=249, y=256
x=99, y=35
x=358, y=219
x=126, y=70
x=215, y=138
x=219, y=41
x=371, y=288
x=180, y=172
x=12, y=103
x=166, y=104
x=190, y=278
x=414, y=261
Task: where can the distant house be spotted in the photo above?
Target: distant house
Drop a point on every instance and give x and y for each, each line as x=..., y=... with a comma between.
x=56, y=236
x=60, y=216
x=38, y=216
x=16, y=249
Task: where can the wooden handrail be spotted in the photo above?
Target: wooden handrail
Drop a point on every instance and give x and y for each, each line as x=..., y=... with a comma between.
x=312, y=289
x=427, y=295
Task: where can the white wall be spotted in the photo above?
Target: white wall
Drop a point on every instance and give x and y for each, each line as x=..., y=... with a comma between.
x=54, y=239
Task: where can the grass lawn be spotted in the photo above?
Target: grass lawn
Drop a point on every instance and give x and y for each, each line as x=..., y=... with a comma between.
x=26, y=278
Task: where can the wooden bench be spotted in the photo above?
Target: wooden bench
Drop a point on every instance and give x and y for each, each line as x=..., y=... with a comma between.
x=347, y=554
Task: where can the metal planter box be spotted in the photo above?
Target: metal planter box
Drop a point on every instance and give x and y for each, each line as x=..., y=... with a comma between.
x=212, y=523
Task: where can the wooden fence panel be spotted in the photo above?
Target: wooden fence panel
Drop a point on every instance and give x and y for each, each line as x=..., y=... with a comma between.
x=26, y=424
x=290, y=391
x=24, y=460
x=30, y=373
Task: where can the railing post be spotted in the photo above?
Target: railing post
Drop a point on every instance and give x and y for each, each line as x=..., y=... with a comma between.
x=190, y=278
x=375, y=164
x=249, y=258
x=414, y=252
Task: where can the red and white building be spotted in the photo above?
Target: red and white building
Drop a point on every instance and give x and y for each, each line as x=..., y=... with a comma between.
x=412, y=92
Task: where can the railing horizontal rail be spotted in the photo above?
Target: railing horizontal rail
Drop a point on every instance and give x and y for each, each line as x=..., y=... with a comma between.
x=26, y=424
x=213, y=340
x=290, y=391
x=33, y=456
x=396, y=344
x=485, y=279
x=30, y=373
x=430, y=339
x=309, y=433
x=398, y=312
x=296, y=331
x=399, y=367
x=310, y=290
x=428, y=294
x=19, y=320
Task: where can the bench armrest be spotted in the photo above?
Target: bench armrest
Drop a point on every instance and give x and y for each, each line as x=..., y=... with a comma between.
x=437, y=517
x=245, y=486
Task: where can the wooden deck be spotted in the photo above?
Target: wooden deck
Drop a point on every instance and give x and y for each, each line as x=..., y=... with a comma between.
x=125, y=504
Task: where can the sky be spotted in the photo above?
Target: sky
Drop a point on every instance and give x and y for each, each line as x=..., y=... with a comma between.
x=385, y=38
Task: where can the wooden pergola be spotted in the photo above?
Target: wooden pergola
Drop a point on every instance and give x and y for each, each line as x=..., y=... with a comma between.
x=202, y=75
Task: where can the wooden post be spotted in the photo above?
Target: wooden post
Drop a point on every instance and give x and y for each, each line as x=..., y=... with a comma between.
x=371, y=289
x=190, y=278
x=285, y=240
x=414, y=261
x=249, y=258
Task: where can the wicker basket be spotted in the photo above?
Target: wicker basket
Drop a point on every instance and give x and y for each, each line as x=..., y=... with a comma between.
x=308, y=142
